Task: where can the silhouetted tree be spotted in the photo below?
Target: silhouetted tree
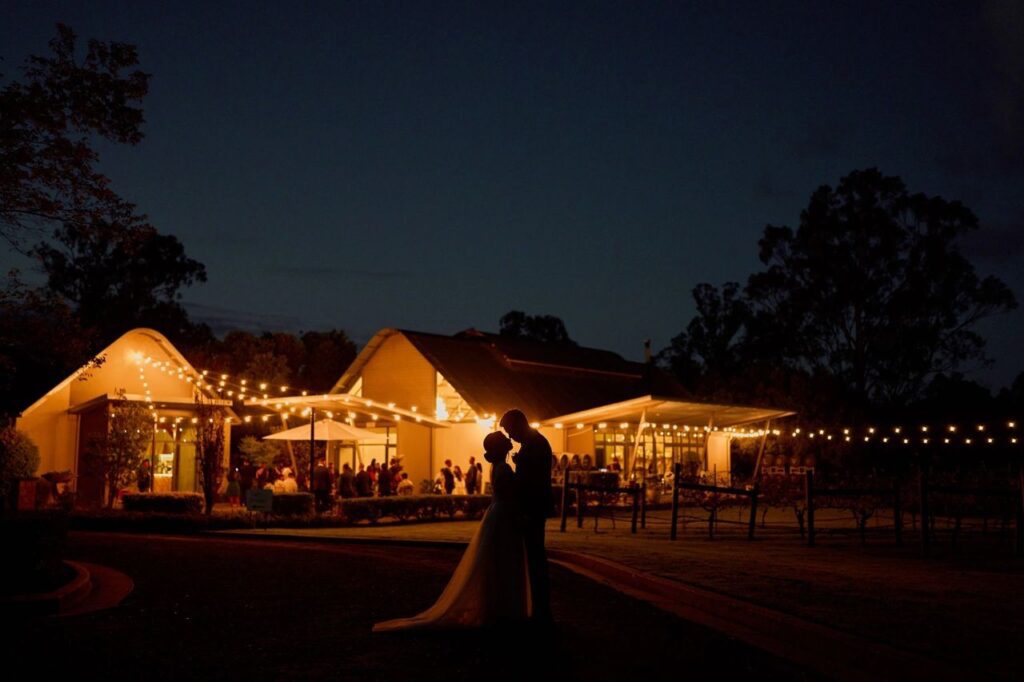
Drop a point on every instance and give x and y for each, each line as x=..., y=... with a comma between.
x=116, y=455
x=116, y=277
x=39, y=344
x=313, y=361
x=544, y=328
x=210, y=435
x=709, y=350
x=48, y=174
x=872, y=287
x=107, y=269
x=863, y=304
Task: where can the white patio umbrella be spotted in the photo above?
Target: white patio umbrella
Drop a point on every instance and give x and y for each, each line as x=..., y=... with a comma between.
x=329, y=430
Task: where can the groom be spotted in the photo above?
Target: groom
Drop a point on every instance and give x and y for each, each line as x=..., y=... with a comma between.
x=533, y=474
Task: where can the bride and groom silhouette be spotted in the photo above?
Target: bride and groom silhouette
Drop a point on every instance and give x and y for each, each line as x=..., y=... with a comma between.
x=502, y=577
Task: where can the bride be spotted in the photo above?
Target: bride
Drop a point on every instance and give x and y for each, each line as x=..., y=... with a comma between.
x=491, y=583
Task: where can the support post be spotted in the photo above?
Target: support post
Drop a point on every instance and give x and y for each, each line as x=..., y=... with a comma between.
x=676, y=471
x=809, y=496
x=760, y=454
x=312, y=448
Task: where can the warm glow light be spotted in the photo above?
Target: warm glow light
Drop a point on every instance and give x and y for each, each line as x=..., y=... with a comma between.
x=924, y=429
x=602, y=425
x=981, y=427
x=579, y=426
x=558, y=425
x=871, y=429
x=534, y=425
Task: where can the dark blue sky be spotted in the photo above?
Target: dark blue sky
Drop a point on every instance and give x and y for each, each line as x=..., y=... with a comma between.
x=433, y=165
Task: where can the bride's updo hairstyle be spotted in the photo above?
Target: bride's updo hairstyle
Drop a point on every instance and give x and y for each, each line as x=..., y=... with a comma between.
x=496, y=447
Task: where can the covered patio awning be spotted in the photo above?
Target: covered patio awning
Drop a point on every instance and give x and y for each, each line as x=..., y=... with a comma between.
x=660, y=410
x=344, y=407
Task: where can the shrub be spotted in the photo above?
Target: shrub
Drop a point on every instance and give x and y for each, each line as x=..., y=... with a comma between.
x=163, y=503
x=404, y=507
x=293, y=504
x=19, y=459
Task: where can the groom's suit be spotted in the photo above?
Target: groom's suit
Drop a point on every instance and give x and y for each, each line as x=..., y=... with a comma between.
x=533, y=479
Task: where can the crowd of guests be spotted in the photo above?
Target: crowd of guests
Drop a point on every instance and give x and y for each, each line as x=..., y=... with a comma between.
x=373, y=480
x=379, y=480
x=576, y=463
x=452, y=481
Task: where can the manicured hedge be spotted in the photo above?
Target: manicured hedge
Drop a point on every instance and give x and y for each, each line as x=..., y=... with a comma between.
x=163, y=503
x=293, y=504
x=405, y=507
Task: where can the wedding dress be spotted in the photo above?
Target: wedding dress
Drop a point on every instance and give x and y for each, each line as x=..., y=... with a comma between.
x=491, y=583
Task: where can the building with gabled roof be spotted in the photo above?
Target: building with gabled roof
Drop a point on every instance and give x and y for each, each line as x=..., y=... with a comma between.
x=144, y=367
x=571, y=393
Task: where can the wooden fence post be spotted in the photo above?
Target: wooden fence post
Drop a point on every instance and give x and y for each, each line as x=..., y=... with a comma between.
x=753, y=512
x=897, y=512
x=809, y=496
x=579, y=501
x=926, y=532
x=643, y=506
x=676, y=469
x=636, y=505
x=565, y=498
x=1018, y=546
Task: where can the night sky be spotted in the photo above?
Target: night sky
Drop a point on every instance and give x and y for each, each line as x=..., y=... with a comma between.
x=431, y=166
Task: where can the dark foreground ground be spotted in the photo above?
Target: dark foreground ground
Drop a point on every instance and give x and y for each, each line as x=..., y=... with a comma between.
x=230, y=609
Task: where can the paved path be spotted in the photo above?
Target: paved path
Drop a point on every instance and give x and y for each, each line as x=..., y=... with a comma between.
x=219, y=608
x=962, y=612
